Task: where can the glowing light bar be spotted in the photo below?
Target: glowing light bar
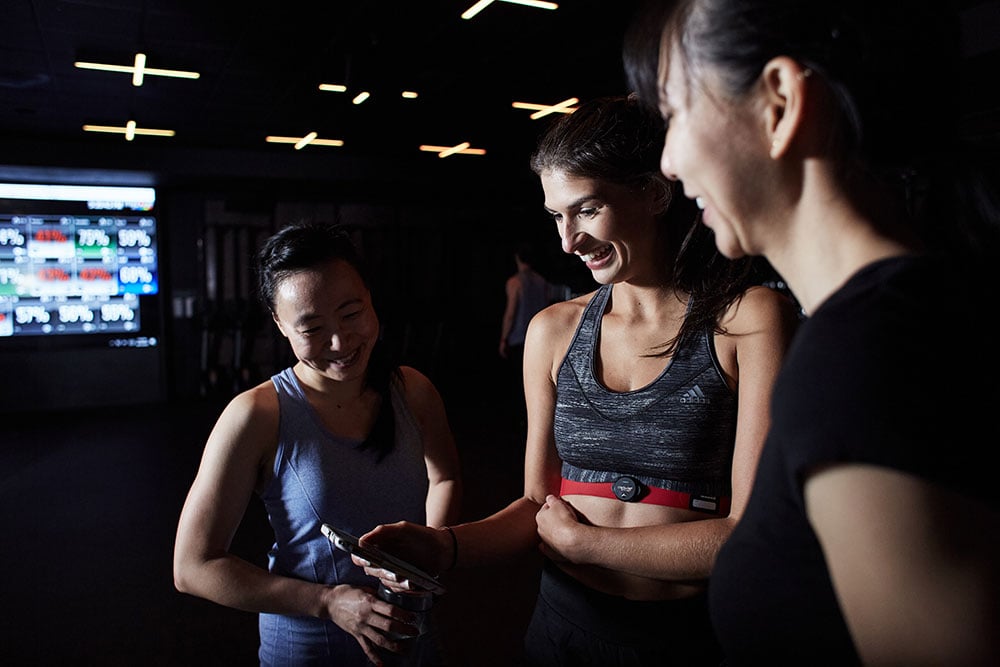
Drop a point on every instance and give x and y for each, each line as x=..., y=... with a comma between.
x=409, y=94
x=304, y=141
x=361, y=97
x=483, y=4
x=296, y=140
x=537, y=4
x=129, y=130
x=333, y=88
x=566, y=106
x=140, y=64
x=476, y=8
x=453, y=150
x=138, y=70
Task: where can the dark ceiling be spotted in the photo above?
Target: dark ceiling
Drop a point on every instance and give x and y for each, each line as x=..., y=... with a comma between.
x=261, y=64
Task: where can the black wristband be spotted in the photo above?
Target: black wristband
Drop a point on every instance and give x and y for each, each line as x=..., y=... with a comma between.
x=454, y=549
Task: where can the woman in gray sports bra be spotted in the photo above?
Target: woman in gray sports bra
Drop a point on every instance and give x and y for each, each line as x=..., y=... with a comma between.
x=647, y=407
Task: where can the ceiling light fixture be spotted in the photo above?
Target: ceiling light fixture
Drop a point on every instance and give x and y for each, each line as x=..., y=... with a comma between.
x=333, y=88
x=460, y=149
x=129, y=130
x=361, y=97
x=310, y=140
x=566, y=106
x=138, y=70
x=483, y=4
x=304, y=141
x=409, y=95
x=455, y=149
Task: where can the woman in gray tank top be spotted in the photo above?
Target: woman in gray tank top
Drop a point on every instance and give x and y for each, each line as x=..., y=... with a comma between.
x=647, y=407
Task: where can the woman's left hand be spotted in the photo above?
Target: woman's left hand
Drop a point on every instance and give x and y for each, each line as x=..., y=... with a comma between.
x=558, y=526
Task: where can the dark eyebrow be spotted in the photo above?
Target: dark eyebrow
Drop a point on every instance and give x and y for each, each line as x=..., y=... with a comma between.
x=576, y=203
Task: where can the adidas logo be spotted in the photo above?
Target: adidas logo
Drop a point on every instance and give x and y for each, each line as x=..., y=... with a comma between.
x=695, y=395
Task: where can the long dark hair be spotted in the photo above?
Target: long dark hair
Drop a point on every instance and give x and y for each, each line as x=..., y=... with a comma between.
x=880, y=62
x=619, y=140
x=307, y=245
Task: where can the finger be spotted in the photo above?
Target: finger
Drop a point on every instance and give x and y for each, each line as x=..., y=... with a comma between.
x=381, y=573
x=398, y=587
x=370, y=651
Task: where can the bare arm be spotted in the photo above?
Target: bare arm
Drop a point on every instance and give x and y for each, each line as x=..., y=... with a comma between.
x=915, y=566
x=511, y=531
x=444, y=496
x=760, y=328
x=243, y=440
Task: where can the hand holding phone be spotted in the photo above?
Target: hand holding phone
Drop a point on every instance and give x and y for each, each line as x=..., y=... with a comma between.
x=380, y=559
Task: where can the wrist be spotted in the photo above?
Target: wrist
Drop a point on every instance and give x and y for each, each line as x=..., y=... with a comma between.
x=450, y=550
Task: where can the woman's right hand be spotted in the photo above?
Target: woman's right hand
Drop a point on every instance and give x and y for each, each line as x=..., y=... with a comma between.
x=370, y=619
x=429, y=549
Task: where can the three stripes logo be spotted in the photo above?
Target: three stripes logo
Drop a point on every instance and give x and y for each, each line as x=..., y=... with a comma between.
x=695, y=395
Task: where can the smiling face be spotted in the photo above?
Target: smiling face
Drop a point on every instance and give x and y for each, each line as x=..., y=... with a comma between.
x=610, y=227
x=326, y=314
x=718, y=149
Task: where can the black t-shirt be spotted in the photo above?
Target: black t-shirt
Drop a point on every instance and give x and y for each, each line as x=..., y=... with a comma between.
x=894, y=369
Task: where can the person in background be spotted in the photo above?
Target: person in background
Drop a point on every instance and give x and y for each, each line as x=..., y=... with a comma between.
x=344, y=437
x=809, y=135
x=647, y=407
x=527, y=293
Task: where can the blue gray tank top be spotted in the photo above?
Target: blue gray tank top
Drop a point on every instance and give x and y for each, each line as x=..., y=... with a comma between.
x=321, y=478
x=677, y=433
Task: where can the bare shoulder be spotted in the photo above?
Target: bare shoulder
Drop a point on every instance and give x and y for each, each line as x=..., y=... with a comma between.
x=560, y=316
x=246, y=434
x=760, y=308
x=260, y=401
x=252, y=412
x=418, y=389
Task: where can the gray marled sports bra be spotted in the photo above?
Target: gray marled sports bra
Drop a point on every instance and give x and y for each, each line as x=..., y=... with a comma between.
x=677, y=433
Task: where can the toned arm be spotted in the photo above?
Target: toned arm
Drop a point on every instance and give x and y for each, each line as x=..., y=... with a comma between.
x=244, y=438
x=440, y=454
x=914, y=566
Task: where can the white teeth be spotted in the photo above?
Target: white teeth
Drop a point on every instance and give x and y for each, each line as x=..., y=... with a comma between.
x=597, y=253
x=349, y=359
x=700, y=203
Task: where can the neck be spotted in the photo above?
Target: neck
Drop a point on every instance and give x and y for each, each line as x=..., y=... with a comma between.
x=819, y=259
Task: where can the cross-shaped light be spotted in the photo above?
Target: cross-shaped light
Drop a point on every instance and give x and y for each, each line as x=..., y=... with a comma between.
x=129, y=130
x=566, y=106
x=483, y=4
x=458, y=149
x=302, y=142
x=138, y=70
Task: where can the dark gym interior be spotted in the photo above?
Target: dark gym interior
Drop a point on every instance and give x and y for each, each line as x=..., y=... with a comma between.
x=103, y=431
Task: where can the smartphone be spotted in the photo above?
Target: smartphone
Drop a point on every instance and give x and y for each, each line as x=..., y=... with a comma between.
x=378, y=558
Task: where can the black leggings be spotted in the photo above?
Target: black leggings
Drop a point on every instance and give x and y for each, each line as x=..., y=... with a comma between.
x=576, y=626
